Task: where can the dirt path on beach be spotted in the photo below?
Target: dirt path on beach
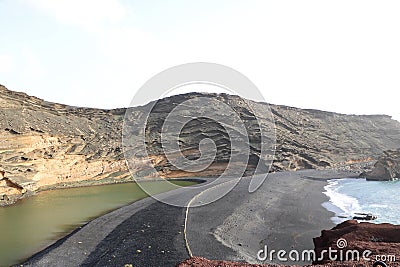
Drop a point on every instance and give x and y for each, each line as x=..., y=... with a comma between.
x=286, y=211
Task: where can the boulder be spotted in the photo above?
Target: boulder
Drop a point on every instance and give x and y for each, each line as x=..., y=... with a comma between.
x=387, y=168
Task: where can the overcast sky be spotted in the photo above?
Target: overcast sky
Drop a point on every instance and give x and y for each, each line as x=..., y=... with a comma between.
x=338, y=56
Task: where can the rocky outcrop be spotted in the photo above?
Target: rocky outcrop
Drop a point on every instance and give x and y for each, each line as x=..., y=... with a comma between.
x=44, y=144
x=387, y=168
x=383, y=240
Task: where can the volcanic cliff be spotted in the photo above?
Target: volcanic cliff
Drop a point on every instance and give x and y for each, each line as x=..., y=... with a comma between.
x=387, y=168
x=45, y=145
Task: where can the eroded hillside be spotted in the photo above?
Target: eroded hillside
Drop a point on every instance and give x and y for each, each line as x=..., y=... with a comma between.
x=43, y=144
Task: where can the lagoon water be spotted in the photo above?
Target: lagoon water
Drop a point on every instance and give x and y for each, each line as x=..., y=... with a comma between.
x=349, y=196
x=33, y=223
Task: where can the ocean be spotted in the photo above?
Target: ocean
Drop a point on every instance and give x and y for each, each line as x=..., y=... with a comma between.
x=349, y=196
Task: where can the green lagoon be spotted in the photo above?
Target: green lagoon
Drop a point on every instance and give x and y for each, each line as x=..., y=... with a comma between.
x=32, y=224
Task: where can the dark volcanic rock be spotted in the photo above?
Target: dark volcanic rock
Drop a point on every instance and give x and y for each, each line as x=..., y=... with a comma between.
x=387, y=168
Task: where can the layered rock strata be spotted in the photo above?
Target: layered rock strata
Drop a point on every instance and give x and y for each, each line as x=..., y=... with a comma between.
x=45, y=145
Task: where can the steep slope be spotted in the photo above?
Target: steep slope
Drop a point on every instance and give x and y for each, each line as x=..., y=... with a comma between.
x=308, y=138
x=45, y=144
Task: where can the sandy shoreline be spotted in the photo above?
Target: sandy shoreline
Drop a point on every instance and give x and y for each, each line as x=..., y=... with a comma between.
x=285, y=213
x=289, y=218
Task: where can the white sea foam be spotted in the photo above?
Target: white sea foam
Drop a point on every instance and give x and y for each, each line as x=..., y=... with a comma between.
x=347, y=205
x=349, y=196
x=378, y=206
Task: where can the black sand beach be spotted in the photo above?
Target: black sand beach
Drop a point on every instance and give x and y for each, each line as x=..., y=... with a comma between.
x=284, y=213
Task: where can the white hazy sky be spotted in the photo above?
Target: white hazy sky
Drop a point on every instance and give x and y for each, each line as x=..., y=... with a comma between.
x=341, y=56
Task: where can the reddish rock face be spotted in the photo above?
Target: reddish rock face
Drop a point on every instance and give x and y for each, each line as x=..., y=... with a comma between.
x=380, y=239
x=202, y=262
x=383, y=240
